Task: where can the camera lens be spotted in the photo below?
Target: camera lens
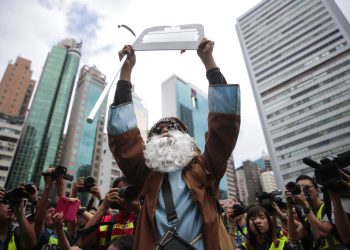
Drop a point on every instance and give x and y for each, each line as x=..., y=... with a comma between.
x=293, y=187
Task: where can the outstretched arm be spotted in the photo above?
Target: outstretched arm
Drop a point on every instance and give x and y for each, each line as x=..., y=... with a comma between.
x=224, y=114
x=125, y=141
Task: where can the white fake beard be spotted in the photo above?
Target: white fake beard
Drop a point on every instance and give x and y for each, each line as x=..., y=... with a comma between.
x=169, y=152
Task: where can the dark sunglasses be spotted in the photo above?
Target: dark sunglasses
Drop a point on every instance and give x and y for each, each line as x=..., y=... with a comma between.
x=170, y=126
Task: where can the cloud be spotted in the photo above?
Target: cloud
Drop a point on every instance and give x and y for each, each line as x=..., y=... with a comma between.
x=82, y=22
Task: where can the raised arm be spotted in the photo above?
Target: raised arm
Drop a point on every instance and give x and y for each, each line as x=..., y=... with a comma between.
x=224, y=114
x=125, y=141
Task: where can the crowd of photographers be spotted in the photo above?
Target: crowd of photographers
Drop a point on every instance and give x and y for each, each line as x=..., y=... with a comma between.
x=298, y=220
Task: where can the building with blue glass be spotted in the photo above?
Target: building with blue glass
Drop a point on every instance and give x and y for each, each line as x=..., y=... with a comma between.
x=40, y=141
x=81, y=148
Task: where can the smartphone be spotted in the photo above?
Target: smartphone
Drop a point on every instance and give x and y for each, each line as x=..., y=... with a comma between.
x=69, y=207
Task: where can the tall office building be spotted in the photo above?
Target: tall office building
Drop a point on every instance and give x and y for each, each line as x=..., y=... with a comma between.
x=268, y=182
x=83, y=141
x=40, y=141
x=298, y=58
x=10, y=131
x=109, y=169
x=190, y=104
x=232, y=185
x=16, y=88
x=248, y=179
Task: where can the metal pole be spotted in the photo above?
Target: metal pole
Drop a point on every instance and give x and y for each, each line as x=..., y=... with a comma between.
x=105, y=91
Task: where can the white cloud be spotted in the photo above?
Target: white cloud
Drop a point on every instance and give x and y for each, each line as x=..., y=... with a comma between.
x=30, y=28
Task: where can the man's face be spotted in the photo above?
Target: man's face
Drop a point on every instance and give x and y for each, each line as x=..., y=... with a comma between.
x=309, y=187
x=5, y=211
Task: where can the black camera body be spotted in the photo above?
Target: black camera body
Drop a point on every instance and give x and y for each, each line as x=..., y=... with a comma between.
x=29, y=188
x=128, y=193
x=266, y=199
x=15, y=195
x=238, y=209
x=89, y=182
x=327, y=172
x=295, y=189
x=60, y=171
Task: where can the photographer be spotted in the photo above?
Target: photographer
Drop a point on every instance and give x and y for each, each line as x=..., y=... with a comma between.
x=262, y=231
x=314, y=210
x=86, y=184
x=237, y=219
x=342, y=221
x=44, y=226
x=11, y=237
x=111, y=226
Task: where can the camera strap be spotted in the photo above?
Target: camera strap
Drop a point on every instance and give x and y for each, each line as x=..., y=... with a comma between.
x=110, y=228
x=90, y=203
x=241, y=231
x=303, y=223
x=327, y=204
x=168, y=201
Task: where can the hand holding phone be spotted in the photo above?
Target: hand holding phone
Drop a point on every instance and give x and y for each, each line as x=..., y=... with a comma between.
x=69, y=207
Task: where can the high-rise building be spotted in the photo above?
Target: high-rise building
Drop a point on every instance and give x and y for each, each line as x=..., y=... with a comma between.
x=298, y=58
x=248, y=178
x=10, y=131
x=190, y=104
x=268, y=182
x=16, y=88
x=82, y=145
x=187, y=102
x=109, y=169
x=41, y=139
x=242, y=185
x=232, y=185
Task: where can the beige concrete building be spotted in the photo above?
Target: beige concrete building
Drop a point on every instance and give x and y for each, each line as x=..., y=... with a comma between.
x=16, y=88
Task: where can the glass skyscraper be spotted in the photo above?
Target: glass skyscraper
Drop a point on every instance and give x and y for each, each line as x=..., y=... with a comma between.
x=40, y=141
x=79, y=144
x=298, y=58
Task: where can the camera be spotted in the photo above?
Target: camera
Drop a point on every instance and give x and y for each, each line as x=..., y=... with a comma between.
x=295, y=189
x=238, y=209
x=327, y=172
x=89, y=182
x=128, y=193
x=15, y=195
x=59, y=171
x=266, y=199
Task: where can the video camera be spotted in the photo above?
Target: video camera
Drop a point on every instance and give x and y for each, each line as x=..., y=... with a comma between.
x=16, y=194
x=59, y=172
x=328, y=174
x=89, y=182
x=266, y=199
